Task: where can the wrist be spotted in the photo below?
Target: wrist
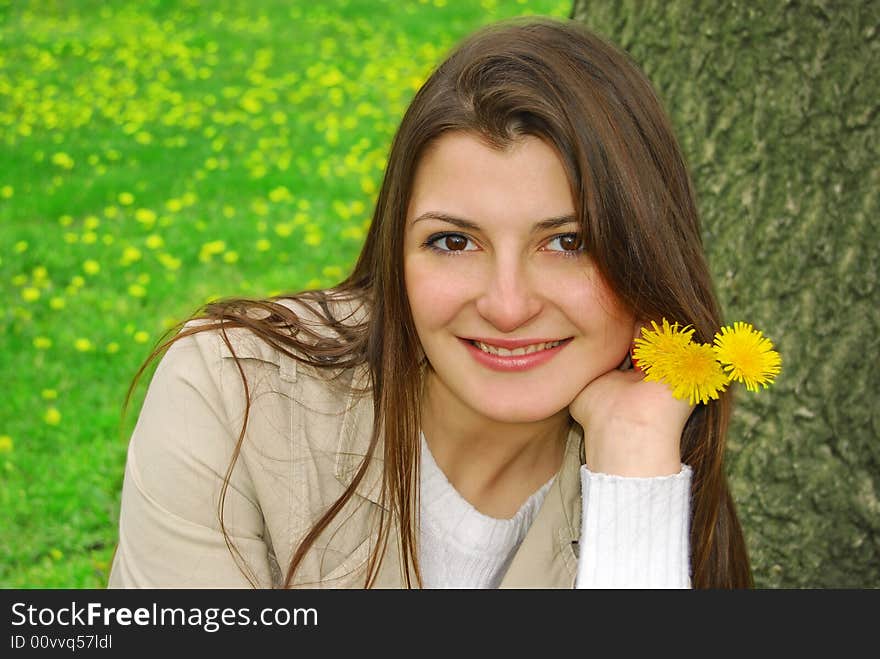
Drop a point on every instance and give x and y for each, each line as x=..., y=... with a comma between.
x=633, y=452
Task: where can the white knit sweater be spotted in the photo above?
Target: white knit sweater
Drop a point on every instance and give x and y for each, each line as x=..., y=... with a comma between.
x=634, y=532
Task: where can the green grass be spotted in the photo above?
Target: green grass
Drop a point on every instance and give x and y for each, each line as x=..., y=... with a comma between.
x=155, y=155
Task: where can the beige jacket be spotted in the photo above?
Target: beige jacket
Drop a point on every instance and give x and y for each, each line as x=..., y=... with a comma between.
x=305, y=437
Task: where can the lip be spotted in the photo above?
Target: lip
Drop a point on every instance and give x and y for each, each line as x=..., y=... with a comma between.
x=513, y=362
x=510, y=344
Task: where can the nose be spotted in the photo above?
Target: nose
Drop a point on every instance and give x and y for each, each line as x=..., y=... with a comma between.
x=508, y=298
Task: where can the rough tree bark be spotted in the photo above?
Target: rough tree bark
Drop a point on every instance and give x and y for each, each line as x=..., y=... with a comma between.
x=775, y=104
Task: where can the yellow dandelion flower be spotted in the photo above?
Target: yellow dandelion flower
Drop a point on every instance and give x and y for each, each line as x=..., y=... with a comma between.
x=126, y=198
x=49, y=394
x=283, y=229
x=141, y=336
x=279, y=194
x=92, y=267
x=62, y=160
x=145, y=216
x=659, y=345
x=83, y=345
x=130, y=255
x=170, y=262
x=42, y=342
x=57, y=303
x=747, y=356
x=666, y=353
x=30, y=294
x=211, y=248
x=263, y=245
x=230, y=256
x=5, y=444
x=52, y=416
x=695, y=375
x=20, y=246
x=112, y=347
x=136, y=290
x=7, y=191
x=154, y=241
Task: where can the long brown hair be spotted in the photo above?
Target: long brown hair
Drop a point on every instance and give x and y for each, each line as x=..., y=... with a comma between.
x=634, y=198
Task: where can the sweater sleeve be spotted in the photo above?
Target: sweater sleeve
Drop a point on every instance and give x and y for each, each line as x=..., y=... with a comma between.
x=634, y=531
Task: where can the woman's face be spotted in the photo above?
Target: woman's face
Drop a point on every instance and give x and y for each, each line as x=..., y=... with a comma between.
x=510, y=311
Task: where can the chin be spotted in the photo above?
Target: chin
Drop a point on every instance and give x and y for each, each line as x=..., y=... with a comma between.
x=518, y=411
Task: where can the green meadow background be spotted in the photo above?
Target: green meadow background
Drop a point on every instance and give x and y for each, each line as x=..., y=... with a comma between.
x=155, y=155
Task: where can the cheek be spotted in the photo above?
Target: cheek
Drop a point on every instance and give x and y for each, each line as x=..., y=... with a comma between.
x=596, y=311
x=435, y=295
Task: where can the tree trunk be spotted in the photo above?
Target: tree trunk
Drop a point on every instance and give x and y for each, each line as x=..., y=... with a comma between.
x=775, y=105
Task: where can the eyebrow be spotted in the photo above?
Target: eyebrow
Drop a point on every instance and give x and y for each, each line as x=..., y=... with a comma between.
x=461, y=223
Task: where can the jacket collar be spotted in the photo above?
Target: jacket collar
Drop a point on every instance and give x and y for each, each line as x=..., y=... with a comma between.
x=547, y=556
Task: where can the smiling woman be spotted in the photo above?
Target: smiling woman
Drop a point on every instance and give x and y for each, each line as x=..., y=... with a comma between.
x=461, y=411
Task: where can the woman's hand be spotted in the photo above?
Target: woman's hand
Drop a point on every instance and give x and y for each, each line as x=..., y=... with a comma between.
x=631, y=427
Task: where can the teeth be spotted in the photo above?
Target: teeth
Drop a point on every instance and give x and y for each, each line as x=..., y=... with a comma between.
x=524, y=350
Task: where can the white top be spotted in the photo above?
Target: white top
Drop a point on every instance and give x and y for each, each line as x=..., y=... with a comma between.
x=634, y=532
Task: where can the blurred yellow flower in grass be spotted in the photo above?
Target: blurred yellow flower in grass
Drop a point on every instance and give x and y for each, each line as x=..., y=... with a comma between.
x=5, y=444
x=141, y=336
x=125, y=198
x=130, y=255
x=747, y=356
x=209, y=249
x=699, y=372
x=154, y=241
x=170, y=262
x=112, y=347
x=7, y=191
x=136, y=290
x=42, y=342
x=91, y=267
x=263, y=245
x=57, y=303
x=49, y=394
x=145, y=216
x=82, y=345
x=62, y=160
x=30, y=294
x=52, y=416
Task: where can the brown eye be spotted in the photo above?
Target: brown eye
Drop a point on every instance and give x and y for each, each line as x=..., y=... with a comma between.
x=569, y=242
x=455, y=243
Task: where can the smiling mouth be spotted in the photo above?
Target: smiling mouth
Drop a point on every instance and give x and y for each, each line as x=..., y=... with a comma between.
x=517, y=352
